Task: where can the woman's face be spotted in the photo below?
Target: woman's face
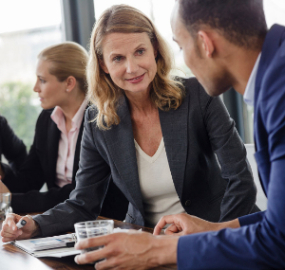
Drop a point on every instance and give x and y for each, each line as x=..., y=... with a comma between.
x=51, y=92
x=130, y=60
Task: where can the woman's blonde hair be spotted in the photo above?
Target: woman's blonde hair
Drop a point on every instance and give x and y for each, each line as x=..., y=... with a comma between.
x=165, y=93
x=68, y=59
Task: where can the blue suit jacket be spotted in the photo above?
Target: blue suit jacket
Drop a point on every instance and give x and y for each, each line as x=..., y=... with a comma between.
x=260, y=242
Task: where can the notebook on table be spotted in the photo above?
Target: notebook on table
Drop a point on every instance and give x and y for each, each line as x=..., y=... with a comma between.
x=55, y=246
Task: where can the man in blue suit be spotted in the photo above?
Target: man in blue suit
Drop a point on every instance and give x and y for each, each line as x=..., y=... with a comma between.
x=226, y=44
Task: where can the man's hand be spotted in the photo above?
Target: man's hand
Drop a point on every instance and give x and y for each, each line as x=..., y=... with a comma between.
x=133, y=250
x=10, y=232
x=183, y=224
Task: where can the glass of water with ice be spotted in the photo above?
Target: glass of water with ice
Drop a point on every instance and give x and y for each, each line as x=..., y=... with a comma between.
x=5, y=201
x=88, y=229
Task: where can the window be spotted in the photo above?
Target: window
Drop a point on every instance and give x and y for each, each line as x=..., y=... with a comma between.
x=26, y=27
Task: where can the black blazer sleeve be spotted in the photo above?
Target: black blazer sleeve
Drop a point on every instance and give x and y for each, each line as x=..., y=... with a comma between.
x=12, y=148
x=35, y=201
x=38, y=168
x=240, y=193
x=31, y=176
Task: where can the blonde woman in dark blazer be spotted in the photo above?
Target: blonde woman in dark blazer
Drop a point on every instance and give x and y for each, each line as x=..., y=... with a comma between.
x=54, y=155
x=168, y=146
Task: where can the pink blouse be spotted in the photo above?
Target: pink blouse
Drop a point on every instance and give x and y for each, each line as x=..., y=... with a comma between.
x=67, y=143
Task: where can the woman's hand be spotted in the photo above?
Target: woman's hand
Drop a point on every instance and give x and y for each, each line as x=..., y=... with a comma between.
x=182, y=224
x=10, y=232
x=132, y=250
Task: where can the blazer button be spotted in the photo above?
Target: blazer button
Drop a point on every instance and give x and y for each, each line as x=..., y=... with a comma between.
x=188, y=203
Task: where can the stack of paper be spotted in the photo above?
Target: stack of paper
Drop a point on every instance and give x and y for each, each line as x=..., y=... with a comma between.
x=56, y=246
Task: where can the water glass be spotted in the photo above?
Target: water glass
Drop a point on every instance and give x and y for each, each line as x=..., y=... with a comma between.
x=5, y=201
x=89, y=229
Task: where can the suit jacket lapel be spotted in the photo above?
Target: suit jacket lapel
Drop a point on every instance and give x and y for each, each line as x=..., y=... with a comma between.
x=120, y=143
x=271, y=44
x=174, y=130
x=77, y=150
x=53, y=135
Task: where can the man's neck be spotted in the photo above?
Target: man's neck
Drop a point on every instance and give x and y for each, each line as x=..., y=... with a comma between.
x=241, y=66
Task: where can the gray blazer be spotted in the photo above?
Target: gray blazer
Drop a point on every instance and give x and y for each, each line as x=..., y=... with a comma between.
x=206, y=157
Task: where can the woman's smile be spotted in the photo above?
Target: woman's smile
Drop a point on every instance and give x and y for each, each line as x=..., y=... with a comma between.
x=136, y=79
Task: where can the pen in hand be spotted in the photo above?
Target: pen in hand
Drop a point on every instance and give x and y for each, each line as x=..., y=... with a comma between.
x=21, y=224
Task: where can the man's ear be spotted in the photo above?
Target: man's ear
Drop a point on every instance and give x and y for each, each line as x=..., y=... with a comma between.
x=103, y=66
x=206, y=43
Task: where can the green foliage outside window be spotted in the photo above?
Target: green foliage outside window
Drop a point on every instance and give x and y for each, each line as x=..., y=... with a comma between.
x=17, y=105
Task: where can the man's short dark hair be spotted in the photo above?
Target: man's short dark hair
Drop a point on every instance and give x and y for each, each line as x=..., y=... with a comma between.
x=241, y=22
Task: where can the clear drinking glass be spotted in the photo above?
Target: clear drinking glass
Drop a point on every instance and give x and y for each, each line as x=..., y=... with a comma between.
x=89, y=229
x=5, y=201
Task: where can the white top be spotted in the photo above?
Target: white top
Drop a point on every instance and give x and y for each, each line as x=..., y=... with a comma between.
x=156, y=183
x=248, y=96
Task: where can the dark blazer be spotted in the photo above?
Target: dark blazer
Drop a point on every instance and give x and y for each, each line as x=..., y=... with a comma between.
x=11, y=147
x=260, y=242
x=195, y=135
x=40, y=168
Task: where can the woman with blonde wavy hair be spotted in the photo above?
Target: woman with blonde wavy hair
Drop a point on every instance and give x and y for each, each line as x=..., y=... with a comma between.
x=164, y=92
x=168, y=146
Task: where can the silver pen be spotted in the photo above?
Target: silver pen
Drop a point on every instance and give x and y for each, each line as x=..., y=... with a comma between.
x=21, y=224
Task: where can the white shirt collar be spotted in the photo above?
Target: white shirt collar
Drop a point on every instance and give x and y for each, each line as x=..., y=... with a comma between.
x=248, y=96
